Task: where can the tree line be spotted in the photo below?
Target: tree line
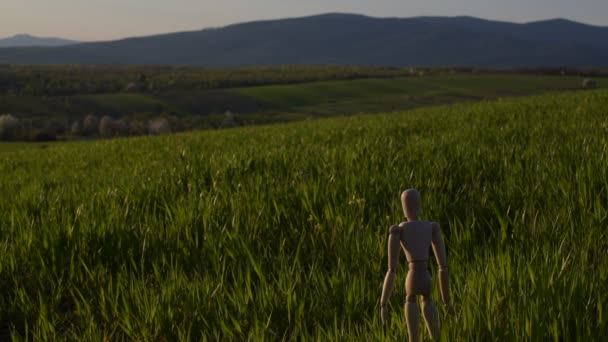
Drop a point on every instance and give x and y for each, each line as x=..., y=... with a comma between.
x=78, y=80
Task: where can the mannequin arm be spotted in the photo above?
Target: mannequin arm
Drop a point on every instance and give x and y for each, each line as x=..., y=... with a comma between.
x=442, y=262
x=394, y=245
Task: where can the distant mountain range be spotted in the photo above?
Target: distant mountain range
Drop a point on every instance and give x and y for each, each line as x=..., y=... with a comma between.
x=25, y=40
x=347, y=39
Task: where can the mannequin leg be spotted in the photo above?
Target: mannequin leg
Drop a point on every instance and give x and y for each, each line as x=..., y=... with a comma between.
x=412, y=318
x=431, y=317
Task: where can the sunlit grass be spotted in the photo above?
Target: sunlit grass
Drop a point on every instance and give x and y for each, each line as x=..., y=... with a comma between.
x=279, y=232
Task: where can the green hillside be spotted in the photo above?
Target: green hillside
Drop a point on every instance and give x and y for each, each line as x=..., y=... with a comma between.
x=48, y=109
x=279, y=232
x=310, y=94
x=330, y=98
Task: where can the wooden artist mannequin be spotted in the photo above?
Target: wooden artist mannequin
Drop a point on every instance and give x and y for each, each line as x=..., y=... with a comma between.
x=415, y=237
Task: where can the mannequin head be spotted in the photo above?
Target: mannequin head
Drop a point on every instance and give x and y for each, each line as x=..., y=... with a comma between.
x=411, y=202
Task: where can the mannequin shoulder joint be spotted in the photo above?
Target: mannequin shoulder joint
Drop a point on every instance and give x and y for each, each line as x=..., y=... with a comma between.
x=394, y=230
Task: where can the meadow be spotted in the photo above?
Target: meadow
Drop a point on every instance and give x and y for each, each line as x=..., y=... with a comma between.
x=52, y=102
x=279, y=232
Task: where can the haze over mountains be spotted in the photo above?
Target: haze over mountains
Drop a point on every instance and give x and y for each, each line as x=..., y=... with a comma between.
x=24, y=40
x=347, y=39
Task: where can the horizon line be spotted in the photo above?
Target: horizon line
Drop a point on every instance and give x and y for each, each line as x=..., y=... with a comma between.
x=77, y=41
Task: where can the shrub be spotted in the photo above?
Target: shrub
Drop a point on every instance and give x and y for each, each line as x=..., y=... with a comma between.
x=109, y=127
x=90, y=125
x=132, y=87
x=159, y=126
x=76, y=129
x=8, y=126
x=589, y=83
x=121, y=127
x=138, y=86
x=229, y=120
x=138, y=127
x=106, y=127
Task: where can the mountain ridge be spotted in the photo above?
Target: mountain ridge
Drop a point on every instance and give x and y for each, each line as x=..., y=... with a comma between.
x=28, y=40
x=343, y=38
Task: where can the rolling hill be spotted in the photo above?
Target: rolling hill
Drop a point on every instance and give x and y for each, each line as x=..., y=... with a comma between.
x=26, y=40
x=347, y=39
x=263, y=233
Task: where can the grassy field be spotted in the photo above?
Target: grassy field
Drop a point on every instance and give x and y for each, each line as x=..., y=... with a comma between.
x=341, y=97
x=279, y=232
x=332, y=98
x=294, y=101
x=478, y=86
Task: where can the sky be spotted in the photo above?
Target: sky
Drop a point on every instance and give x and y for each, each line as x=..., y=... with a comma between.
x=93, y=20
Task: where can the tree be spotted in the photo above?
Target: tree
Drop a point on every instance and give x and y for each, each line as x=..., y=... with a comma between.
x=90, y=125
x=159, y=126
x=8, y=127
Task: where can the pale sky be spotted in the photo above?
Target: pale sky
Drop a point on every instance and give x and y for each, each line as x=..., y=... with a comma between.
x=113, y=19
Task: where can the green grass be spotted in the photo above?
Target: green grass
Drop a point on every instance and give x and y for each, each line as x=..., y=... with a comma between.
x=261, y=104
x=129, y=103
x=361, y=91
x=299, y=95
x=279, y=232
x=13, y=147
